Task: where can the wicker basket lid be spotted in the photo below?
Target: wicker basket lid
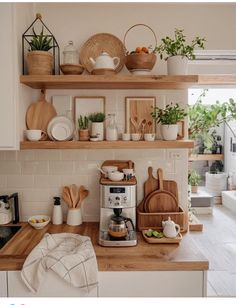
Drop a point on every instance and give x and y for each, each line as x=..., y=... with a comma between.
x=99, y=43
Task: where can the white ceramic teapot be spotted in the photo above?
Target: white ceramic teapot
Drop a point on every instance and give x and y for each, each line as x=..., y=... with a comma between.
x=170, y=228
x=105, y=61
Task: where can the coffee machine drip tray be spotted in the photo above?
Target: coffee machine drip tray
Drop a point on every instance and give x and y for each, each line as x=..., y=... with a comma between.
x=108, y=241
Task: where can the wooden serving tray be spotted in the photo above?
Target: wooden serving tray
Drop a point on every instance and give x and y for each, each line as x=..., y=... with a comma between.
x=163, y=240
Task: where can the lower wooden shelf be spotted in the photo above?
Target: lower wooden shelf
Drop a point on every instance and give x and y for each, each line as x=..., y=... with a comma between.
x=107, y=144
x=206, y=157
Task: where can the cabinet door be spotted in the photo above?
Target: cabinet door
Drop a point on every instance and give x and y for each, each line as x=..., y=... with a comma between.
x=3, y=284
x=152, y=284
x=52, y=286
x=8, y=88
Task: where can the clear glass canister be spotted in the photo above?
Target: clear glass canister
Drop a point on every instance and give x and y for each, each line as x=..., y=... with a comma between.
x=70, y=54
x=111, y=128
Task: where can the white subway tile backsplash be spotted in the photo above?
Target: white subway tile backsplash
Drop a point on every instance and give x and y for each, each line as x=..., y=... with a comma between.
x=3, y=181
x=100, y=154
x=29, y=208
x=11, y=156
x=2, y=155
x=26, y=155
x=47, y=154
x=20, y=181
x=47, y=181
x=74, y=179
x=61, y=167
x=74, y=155
x=35, y=195
x=35, y=167
x=10, y=167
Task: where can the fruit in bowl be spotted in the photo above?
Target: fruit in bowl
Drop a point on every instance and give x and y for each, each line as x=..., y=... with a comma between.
x=39, y=221
x=140, y=58
x=140, y=50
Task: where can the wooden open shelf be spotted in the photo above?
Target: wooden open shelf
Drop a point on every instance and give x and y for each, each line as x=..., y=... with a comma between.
x=120, y=81
x=206, y=157
x=106, y=144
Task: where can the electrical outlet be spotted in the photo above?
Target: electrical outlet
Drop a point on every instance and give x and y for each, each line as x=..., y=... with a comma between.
x=175, y=155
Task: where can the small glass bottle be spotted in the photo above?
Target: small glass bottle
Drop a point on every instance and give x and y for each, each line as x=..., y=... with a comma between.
x=57, y=216
x=111, y=129
x=70, y=54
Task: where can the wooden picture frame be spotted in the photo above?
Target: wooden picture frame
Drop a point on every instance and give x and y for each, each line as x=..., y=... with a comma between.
x=181, y=126
x=63, y=104
x=85, y=105
x=140, y=108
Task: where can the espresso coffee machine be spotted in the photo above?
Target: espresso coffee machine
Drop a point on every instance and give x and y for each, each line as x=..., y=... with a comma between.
x=117, y=211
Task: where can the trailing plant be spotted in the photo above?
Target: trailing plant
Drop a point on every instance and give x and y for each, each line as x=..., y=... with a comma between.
x=40, y=42
x=178, y=45
x=194, y=178
x=83, y=122
x=97, y=117
x=168, y=116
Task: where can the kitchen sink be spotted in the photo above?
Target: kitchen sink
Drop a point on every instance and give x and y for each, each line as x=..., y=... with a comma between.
x=6, y=233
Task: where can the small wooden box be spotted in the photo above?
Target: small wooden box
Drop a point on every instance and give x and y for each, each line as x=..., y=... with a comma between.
x=154, y=220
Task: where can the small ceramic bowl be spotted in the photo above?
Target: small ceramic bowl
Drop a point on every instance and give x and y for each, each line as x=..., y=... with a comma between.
x=39, y=221
x=109, y=169
x=135, y=136
x=116, y=176
x=128, y=171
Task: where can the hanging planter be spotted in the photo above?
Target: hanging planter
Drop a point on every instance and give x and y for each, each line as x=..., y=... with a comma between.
x=43, y=50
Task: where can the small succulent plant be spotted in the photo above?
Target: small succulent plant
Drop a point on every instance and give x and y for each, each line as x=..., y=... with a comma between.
x=83, y=122
x=40, y=42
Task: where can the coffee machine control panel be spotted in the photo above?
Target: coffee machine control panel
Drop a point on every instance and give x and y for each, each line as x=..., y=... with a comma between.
x=118, y=196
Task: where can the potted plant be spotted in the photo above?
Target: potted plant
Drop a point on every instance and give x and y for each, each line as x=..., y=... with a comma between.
x=216, y=179
x=178, y=52
x=83, y=128
x=169, y=117
x=39, y=60
x=194, y=179
x=97, y=127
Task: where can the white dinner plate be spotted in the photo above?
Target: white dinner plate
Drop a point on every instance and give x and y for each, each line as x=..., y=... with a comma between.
x=61, y=127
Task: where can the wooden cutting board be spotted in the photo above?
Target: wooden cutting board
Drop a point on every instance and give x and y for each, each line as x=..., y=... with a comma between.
x=151, y=184
x=39, y=114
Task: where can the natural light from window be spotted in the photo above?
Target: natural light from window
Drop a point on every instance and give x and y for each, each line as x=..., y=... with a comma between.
x=212, y=95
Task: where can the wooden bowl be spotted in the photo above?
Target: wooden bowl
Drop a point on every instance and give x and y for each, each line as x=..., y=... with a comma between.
x=70, y=69
x=140, y=61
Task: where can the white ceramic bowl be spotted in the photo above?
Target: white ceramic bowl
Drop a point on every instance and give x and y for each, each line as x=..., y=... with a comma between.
x=116, y=176
x=128, y=171
x=109, y=169
x=39, y=225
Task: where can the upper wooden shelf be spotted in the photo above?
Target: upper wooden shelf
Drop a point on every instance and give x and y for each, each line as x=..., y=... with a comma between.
x=206, y=157
x=120, y=81
x=106, y=144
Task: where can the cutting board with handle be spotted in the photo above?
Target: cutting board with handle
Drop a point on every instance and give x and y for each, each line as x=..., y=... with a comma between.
x=39, y=114
x=160, y=200
x=151, y=184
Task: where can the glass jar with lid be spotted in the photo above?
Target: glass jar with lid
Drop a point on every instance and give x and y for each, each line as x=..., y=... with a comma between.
x=70, y=54
x=111, y=128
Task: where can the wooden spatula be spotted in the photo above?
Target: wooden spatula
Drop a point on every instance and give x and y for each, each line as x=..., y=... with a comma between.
x=83, y=193
x=74, y=194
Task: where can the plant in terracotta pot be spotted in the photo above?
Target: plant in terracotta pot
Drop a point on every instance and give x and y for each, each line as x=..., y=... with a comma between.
x=169, y=117
x=194, y=179
x=178, y=51
x=97, y=127
x=39, y=60
x=83, y=128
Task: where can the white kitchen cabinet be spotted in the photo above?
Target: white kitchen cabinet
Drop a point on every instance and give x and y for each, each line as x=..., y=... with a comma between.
x=8, y=88
x=52, y=286
x=152, y=284
x=3, y=284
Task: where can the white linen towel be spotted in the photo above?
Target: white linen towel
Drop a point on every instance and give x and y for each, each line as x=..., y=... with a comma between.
x=69, y=255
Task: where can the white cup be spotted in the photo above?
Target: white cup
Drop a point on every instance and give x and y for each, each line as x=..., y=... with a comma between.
x=135, y=136
x=149, y=136
x=74, y=217
x=34, y=134
x=126, y=136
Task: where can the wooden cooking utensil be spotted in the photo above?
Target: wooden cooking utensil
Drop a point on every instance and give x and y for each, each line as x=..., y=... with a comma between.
x=151, y=184
x=66, y=196
x=160, y=200
x=83, y=193
x=143, y=124
x=74, y=194
x=39, y=114
x=149, y=127
x=133, y=121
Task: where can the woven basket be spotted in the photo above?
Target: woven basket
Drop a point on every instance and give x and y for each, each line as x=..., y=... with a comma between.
x=142, y=60
x=40, y=63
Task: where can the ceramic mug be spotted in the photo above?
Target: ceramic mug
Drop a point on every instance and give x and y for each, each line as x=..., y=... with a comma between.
x=135, y=136
x=126, y=136
x=149, y=136
x=35, y=134
x=74, y=217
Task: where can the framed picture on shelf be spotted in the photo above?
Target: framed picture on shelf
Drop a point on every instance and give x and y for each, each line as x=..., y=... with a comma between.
x=85, y=105
x=138, y=110
x=63, y=104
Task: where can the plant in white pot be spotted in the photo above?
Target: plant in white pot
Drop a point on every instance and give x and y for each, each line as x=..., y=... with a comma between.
x=97, y=127
x=169, y=117
x=178, y=52
x=39, y=60
x=194, y=179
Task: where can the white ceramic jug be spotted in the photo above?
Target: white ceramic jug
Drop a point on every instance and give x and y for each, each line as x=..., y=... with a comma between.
x=105, y=61
x=170, y=228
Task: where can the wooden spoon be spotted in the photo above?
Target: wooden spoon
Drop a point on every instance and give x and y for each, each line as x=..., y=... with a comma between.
x=143, y=124
x=134, y=123
x=66, y=196
x=83, y=193
x=74, y=194
x=149, y=127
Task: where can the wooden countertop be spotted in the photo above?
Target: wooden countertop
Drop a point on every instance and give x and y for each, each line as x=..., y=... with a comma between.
x=143, y=257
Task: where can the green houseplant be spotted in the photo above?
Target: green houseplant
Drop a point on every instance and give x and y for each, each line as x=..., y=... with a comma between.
x=97, y=126
x=194, y=179
x=83, y=128
x=177, y=51
x=169, y=117
x=39, y=60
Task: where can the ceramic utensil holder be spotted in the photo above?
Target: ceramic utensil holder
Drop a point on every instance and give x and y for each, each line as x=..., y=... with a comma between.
x=74, y=217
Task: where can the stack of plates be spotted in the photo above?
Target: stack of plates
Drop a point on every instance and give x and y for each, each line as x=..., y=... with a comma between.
x=140, y=71
x=60, y=128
